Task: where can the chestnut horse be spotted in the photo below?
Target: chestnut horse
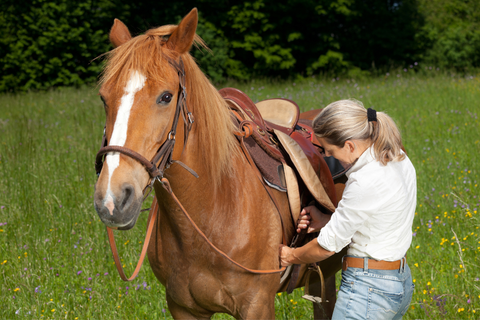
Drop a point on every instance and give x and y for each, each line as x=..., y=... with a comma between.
x=140, y=89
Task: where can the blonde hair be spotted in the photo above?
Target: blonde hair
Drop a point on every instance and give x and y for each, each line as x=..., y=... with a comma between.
x=347, y=119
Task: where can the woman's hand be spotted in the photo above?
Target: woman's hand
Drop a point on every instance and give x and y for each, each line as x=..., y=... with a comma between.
x=313, y=219
x=285, y=254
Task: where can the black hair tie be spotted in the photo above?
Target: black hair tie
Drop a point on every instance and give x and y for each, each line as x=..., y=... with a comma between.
x=371, y=114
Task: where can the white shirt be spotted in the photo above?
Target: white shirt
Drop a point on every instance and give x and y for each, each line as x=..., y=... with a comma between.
x=375, y=214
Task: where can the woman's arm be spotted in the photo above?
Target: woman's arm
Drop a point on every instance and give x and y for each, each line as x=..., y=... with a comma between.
x=311, y=252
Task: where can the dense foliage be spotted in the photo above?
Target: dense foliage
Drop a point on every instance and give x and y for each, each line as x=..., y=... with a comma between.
x=54, y=42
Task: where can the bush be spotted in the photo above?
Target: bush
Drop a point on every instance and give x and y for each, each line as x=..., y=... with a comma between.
x=451, y=35
x=213, y=63
x=52, y=43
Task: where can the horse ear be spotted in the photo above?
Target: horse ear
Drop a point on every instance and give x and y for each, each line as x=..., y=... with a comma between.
x=119, y=33
x=181, y=39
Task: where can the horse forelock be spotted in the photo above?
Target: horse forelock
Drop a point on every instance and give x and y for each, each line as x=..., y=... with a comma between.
x=147, y=54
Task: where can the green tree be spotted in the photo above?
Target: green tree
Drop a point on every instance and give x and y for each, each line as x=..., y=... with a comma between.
x=52, y=43
x=451, y=34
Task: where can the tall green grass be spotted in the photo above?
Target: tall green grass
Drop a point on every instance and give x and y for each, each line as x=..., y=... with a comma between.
x=54, y=256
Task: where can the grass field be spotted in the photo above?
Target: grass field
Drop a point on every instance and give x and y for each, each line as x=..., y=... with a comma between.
x=54, y=258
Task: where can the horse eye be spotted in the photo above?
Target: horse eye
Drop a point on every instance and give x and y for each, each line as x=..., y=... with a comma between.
x=104, y=103
x=165, y=98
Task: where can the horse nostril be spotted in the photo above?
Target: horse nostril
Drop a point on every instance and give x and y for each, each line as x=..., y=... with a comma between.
x=128, y=195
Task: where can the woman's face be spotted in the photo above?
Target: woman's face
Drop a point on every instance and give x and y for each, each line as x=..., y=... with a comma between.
x=348, y=154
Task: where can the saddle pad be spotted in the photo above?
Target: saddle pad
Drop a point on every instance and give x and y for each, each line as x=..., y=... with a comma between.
x=268, y=166
x=305, y=169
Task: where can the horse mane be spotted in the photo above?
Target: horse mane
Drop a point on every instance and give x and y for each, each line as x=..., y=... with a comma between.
x=148, y=54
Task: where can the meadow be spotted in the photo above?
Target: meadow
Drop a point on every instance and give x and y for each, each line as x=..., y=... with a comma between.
x=55, y=262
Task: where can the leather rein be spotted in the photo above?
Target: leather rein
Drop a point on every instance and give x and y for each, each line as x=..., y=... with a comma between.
x=164, y=153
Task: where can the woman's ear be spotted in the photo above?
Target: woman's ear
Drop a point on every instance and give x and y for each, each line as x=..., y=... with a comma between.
x=350, y=145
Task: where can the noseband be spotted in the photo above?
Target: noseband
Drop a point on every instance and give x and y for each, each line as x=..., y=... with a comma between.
x=166, y=149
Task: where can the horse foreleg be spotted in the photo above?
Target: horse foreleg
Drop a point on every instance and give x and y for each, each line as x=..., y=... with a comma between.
x=325, y=310
x=258, y=311
x=257, y=305
x=179, y=312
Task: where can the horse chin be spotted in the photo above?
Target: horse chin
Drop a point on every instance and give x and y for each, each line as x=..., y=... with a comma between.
x=120, y=220
x=129, y=226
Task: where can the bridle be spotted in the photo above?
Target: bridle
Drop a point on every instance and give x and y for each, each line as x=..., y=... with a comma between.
x=166, y=149
x=164, y=155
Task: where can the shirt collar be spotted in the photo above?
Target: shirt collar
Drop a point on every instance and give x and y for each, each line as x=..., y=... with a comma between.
x=366, y=157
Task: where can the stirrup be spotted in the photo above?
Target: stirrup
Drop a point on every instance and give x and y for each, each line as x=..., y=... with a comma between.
x=307, y=295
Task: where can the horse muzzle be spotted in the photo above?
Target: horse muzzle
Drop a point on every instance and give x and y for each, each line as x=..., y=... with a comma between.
x=120, y=210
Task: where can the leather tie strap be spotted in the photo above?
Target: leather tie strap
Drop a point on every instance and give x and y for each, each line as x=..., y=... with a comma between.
x=151, y=222
x=166, y=185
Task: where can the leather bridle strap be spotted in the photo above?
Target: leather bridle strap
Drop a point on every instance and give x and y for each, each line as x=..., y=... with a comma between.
x=166, y=185
x=166, y=149
x=151, y=168
x=111, y=239
x=164, y=153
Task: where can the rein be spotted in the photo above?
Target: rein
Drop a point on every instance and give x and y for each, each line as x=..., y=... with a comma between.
x=156, y=174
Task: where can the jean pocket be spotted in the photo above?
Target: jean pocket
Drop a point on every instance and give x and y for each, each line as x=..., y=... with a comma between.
x=383, y=304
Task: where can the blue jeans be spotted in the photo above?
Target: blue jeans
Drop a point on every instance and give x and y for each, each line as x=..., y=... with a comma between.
x=374, y=294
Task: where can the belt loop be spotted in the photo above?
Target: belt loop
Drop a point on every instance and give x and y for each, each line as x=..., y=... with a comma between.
x=365, y=265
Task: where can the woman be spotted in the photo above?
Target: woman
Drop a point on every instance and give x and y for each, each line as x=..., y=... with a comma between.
x=374, y=216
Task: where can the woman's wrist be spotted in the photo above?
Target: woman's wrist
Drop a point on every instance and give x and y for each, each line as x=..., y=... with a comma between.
x=313, y=252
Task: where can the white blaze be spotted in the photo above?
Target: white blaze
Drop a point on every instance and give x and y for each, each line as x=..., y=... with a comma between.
x=120, y=128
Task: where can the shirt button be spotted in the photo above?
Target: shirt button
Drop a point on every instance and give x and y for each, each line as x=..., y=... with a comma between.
x=370, y=289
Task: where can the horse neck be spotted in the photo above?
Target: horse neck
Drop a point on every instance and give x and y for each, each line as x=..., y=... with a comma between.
x=201, y=200
x=196, y=155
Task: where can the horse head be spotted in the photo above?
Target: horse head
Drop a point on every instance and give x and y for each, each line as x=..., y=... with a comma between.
x=140, y=91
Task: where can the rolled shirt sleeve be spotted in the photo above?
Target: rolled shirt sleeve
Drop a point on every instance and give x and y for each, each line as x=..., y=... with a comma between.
x=357, y=205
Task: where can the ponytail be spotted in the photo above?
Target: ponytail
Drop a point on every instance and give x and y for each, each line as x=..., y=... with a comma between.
x=347, y=120
x=387, y=140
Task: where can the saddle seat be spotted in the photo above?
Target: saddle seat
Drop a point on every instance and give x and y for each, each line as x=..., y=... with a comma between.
x=280, y=112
